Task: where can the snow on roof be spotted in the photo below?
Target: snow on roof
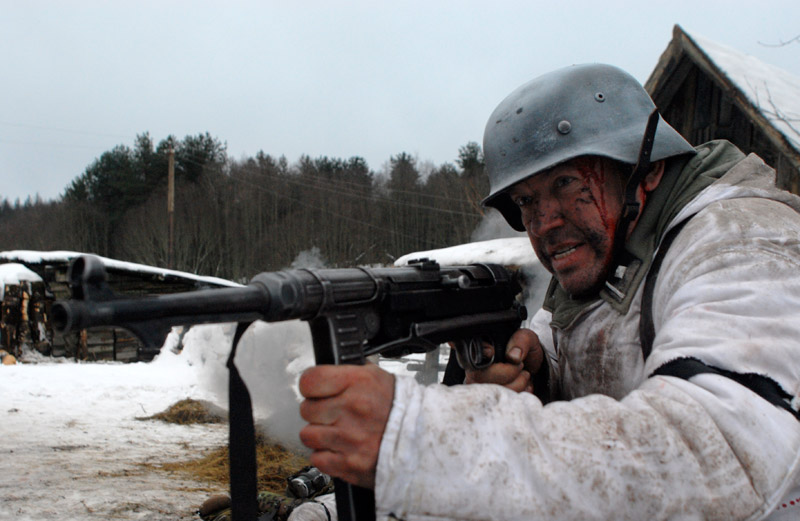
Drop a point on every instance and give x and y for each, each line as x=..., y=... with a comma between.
x=772, y=90
x=43, y=257
x=515, y=251
x=13, y=273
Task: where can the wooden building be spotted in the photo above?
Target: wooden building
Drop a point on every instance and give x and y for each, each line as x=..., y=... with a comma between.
x=125, y=278
x=709, y=91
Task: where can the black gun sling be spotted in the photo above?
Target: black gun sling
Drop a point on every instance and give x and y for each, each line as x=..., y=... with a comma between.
x=241, y=441
x=765, y=387
x=686, y=368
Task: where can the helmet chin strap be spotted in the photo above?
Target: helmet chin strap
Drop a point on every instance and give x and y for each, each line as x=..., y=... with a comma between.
x=631, y=206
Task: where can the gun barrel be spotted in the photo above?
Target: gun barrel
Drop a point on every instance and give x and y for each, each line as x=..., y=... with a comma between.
x=197, y=307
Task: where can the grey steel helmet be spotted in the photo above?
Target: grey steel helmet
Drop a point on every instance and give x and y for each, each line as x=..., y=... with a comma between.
x=591, y=109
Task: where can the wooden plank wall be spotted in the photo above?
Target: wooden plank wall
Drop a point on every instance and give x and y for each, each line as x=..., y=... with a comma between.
x=701, y=110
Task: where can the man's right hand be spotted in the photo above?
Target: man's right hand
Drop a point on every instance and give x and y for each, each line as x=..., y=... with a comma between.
x=524, y=356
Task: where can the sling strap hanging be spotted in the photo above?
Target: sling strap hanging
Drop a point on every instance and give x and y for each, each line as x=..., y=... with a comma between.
x=242, y=440
x=647, y=330
x=765, y=387
x=686, y=368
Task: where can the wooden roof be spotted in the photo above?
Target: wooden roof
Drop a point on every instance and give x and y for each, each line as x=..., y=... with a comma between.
x=767, y=96
x=123, y=277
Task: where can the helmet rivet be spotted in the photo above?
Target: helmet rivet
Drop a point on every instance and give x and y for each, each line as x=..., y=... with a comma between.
x=599, y=96
x=564, y=126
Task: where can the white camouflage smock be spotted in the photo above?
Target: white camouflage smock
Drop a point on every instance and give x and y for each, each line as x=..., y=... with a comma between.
x=620, y=444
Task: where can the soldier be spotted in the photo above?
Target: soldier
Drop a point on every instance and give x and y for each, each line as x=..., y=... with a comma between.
x=12, y=315
x=668, y=347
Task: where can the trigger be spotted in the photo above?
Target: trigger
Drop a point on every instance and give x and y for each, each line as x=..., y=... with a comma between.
x=476, y=357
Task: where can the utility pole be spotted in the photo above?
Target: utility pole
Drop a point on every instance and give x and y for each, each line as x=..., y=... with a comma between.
x=171, y=208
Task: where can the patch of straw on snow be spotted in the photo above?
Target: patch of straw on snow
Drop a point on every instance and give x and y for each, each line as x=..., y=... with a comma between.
x=188, y=411
x=275, y=464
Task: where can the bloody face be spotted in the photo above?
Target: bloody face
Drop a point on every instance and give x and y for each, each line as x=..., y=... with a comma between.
x=570, y=213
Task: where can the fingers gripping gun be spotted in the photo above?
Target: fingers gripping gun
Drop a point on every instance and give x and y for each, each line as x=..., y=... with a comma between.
x=352, y=313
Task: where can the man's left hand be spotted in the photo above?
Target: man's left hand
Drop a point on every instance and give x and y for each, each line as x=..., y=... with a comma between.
x=524, y=356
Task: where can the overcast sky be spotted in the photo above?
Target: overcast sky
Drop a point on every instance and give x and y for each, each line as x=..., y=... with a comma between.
x=331, y=78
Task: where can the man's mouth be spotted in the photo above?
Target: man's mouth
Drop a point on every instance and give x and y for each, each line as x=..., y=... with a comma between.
x=563, y=253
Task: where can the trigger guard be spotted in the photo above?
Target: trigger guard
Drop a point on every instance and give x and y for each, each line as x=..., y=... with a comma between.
x=473, y=352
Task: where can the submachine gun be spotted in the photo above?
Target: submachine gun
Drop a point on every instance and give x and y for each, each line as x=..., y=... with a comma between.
x=352, y=313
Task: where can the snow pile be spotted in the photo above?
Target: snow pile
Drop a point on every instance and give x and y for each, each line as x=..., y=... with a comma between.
x=509, y=252
x=514, y=251
x=13, y=273
x=271, y=357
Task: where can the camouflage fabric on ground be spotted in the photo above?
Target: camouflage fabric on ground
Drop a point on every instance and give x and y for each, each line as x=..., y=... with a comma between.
x=303, y=486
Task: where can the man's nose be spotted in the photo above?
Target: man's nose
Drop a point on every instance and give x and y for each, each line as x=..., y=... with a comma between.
x=548, y=216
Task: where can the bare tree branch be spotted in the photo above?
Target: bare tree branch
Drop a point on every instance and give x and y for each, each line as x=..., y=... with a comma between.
x=775, y=113
x=782, y=43
x=781, y=116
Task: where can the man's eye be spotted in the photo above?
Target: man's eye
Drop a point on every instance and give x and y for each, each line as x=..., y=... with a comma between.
x=522, y=200
x=562, y=182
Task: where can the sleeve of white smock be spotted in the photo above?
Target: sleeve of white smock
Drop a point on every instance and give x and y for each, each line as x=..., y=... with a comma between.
x=540, y=324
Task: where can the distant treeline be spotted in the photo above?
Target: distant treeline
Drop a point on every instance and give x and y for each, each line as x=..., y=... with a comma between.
x=237, y=217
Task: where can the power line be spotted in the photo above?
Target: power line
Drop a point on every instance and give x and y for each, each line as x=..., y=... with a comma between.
x=342, y=187
x=66, y=130
x=45, y=144
x=368, y=224
x=331, y=187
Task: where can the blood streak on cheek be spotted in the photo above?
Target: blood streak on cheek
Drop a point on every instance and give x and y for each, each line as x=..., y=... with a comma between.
x=594, y=178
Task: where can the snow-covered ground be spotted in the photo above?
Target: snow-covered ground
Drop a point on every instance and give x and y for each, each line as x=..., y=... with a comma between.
x=71, y=444
x=72, y=448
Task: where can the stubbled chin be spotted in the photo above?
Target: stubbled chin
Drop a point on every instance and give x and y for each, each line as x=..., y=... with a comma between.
x=581, y=285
